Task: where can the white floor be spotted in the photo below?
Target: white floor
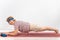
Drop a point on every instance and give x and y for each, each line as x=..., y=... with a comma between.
x=30, y=38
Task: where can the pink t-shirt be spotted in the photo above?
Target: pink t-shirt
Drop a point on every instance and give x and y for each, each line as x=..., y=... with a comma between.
x=22, y=26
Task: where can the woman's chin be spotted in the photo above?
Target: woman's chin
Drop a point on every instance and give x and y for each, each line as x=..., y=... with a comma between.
x=11, y=24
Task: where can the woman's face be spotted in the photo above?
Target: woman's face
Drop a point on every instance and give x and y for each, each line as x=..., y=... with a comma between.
x=11, y=22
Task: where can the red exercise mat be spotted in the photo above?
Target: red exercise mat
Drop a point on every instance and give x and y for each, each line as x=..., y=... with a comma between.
x=37, y=35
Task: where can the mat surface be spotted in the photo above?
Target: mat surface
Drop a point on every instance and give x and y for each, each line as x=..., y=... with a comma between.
x=37, y=35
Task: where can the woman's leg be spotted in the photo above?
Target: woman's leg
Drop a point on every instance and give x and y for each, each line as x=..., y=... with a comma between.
x=37, y=28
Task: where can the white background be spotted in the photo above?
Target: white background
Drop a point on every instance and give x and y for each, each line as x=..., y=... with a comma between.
x=40, y=12
x=30, y=38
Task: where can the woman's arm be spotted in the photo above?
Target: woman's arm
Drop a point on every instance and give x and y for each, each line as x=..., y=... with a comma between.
x=15, y=32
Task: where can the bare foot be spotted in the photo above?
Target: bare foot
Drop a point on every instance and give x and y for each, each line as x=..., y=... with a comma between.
x=56, y=31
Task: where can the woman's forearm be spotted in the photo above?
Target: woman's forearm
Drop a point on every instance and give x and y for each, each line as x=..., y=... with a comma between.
x=12, y=34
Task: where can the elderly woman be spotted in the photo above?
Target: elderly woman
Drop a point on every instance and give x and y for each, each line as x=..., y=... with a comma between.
x=26, y=27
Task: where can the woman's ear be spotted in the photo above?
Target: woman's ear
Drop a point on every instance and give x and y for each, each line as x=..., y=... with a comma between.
x=14, y=20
